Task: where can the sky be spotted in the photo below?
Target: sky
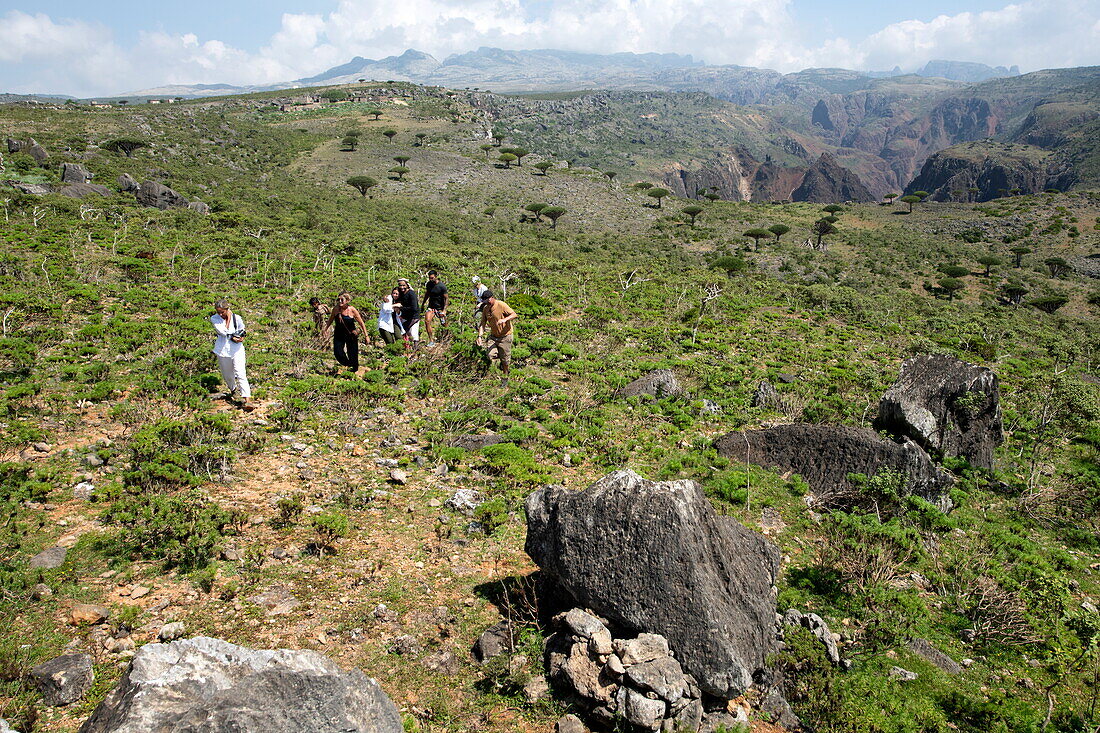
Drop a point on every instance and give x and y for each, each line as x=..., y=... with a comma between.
x=113, y=47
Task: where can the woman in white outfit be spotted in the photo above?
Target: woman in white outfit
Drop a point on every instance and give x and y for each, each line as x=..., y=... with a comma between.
x=229, y=348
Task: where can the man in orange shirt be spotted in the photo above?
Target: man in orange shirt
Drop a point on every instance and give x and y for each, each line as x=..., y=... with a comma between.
x=498, y=317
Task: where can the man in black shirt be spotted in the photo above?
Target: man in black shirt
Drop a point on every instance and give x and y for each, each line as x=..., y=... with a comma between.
x=409, y=311
x=436, y=301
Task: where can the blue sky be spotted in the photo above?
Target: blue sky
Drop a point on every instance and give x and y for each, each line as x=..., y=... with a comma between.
x=112, y=47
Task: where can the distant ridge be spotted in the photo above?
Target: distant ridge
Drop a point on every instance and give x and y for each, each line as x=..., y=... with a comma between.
x=550, y=70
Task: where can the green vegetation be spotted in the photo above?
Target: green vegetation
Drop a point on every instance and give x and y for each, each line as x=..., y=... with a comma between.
x=105, y=365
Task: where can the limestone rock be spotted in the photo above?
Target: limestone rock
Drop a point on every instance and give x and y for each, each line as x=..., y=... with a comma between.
x=641, y=710
x=205, y=684
x=83, y=190
x=276, y=601
x=659, y=383
x=570, y=724
x=127, y=183
x=199, y=207
x=6, y=728
x=88, y=613
x=662, y=676
x=902, y=675
x=926, y=651
x=65, y=679
x=655, y=557
x=824, y=455
x=645, y=648
x=74, y=173
x=583, y=623
x=171, y=631
x=49, y=559
x=159, y=196
x=496, y=640
x=945, y=405
x=33, y=189
x=473, y=442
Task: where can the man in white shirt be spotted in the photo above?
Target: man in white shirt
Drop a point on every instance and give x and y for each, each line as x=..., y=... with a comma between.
x=229, y=348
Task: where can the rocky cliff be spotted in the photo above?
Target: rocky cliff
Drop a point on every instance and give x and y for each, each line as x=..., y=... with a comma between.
x=829, y=182
x=982, y=171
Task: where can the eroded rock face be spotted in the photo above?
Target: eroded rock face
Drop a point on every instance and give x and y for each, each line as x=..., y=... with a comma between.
x=82, y=190
x=209, y=685
x=828, y=182
x=655, y=557
x=945, y=405
x=824, y=455
x=126, y=183
x=157, y=195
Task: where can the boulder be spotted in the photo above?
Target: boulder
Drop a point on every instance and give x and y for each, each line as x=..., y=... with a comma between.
x=824, y=455
x=767, y=397
x=65, y=679
x=661, y=676
x=945, y=405
x=655, y=557
x=34, y=189
x=496, y=640
x=49, y=559
x=570, y=724
x=171, y=631
x=126, y=183
x=199, y=206
x=659, y=383
x=74, y=173
x=476, y=442
x=929, y=653
x=83, y=190
x=14, y=146
x=88, y=613
x=159, y=196
x=205, y=684
x=36, y=151
x=276, y=601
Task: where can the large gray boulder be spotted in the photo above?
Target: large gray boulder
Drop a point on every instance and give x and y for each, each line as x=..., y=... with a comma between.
x=64, y=679
x=947, y=406
x=74, y=173
x=655, y=557
x=824, y=455
x=83, y=190
x=205, y=685
x=658, y=383
x=127, y=183
x=157, y=195
x=34, y=189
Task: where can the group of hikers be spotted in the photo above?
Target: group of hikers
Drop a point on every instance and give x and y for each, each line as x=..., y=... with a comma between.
x=399, y=316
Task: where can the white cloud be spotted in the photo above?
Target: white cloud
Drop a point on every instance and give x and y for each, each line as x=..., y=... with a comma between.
x=38, y=53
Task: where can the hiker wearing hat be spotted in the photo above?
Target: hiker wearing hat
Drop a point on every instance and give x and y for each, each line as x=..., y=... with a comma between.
x=408, y=308
x=498, y=316
x=479, y=290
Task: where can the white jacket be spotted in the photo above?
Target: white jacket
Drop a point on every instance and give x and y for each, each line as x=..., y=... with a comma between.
x=226, y=346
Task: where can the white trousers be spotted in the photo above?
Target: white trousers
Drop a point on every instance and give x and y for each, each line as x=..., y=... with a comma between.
x=232, y=368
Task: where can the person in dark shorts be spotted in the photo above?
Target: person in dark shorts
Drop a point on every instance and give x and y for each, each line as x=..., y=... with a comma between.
x=436, y=301
x=498, y=316
x=409, y=310
x=345, y=336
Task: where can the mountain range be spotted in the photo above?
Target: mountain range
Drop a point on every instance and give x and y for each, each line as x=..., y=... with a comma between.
x=769, y=130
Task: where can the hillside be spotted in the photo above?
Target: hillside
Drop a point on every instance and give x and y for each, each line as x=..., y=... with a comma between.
x=327, y=519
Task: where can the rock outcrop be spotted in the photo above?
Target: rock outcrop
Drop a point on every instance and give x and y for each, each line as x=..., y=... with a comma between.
x=157, y=195
x=824, y=455
x=205, y=684
x=994, y=169
x=659, y=383
x=947, y=406
x=656, y=558
x=827, y=182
